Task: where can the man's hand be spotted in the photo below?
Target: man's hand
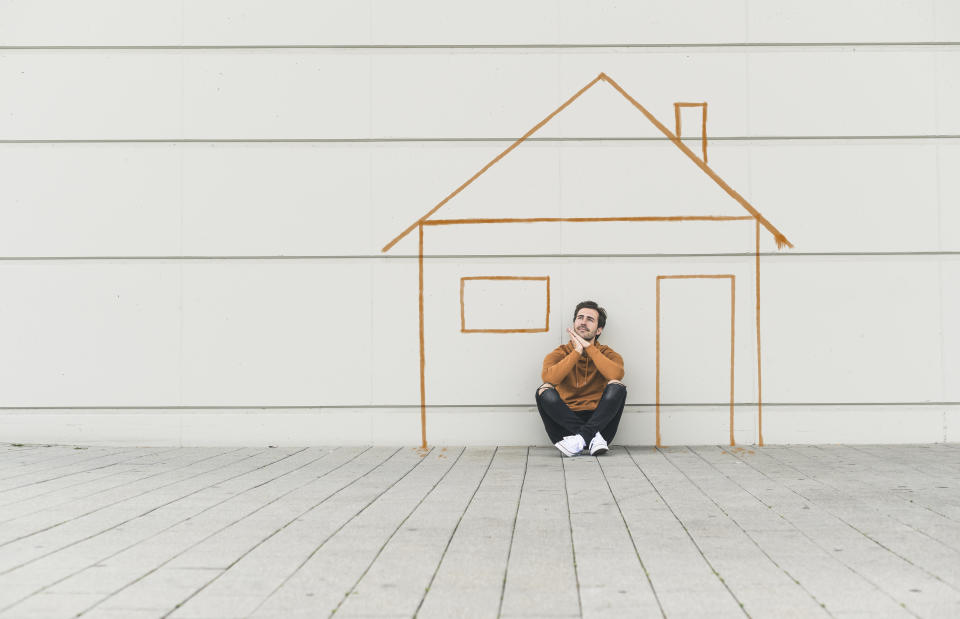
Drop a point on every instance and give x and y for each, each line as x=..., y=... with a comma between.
x=578, y=342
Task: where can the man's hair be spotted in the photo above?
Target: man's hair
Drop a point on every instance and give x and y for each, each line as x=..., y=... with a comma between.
x=601, y=319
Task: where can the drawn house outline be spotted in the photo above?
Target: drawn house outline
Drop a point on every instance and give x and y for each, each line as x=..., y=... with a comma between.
x=675, y=138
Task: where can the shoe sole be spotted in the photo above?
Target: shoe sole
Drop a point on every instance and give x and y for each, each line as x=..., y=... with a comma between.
x=599, y=451
x=566, y=454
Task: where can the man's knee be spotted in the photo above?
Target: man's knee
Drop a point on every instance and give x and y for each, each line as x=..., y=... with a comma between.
x=614, y=389
x=543, y=388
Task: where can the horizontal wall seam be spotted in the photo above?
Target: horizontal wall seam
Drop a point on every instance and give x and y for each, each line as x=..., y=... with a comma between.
x=436, y=406
x=772, y=254
x=497, y=140
x=488, y=46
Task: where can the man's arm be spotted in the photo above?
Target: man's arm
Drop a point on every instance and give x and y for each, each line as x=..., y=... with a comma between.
x=608, y=363
x=558, y=364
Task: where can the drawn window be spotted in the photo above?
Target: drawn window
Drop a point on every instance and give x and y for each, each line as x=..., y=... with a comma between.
x=504, y=304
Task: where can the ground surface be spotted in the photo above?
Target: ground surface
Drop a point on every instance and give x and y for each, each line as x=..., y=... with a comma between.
x=868, y=531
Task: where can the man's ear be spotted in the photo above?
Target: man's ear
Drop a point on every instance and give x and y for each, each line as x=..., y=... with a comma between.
x=599, y=331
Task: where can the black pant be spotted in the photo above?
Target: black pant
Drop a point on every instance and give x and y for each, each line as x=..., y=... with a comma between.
x=560, y=421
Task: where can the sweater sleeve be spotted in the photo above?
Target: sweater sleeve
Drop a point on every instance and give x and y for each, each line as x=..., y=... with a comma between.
x=608, y=363
x=558, y=364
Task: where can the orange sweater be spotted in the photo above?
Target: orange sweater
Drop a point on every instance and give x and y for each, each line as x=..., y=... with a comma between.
x=581, y=379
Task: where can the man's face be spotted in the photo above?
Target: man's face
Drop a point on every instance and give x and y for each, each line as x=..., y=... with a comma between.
x=586, y=324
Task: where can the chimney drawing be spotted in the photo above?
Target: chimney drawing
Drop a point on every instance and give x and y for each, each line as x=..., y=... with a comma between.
x=703, y=122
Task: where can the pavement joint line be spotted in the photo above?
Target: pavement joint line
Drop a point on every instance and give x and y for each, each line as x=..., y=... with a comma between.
x=453, y=532
x=73, y=543
x=315, y=550
x=225, y=527
x=742, y=529
x=633, y=541
x=686, y=530
x=513, y=532
x=397, y=528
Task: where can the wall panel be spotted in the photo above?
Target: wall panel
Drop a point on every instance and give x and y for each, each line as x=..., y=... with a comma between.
x=62, y=22
x=268, y=332
x=445, y=23
x=99, y=333
x=835, y=196
x=276, y=199
x=91, y=95
x=276, y=333
x=431, y=22
x=842, y=330
x=395, y=334
x=656, y=21
x=822, y=21
x=276, y=94
x=277, y=22
x=947, y=26
x=948, y=160
x=90, y=199
x=352, y=199
x=948, y=91
x=830, y=92
x=950, y=327
x=262, y=94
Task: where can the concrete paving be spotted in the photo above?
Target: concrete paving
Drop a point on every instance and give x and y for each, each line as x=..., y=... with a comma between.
x=783, y=531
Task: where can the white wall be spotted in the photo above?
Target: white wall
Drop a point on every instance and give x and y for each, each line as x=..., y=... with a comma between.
x=194, y=198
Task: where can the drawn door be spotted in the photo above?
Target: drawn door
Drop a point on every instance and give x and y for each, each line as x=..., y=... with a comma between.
x=695, y=359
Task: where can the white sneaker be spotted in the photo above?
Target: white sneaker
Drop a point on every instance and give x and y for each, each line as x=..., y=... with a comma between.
x=570, y=445
x=598, y=446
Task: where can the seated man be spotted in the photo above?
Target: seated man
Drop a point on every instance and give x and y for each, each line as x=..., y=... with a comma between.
x=582, y=398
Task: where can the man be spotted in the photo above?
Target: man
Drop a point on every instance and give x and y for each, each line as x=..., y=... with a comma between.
x=581, y=398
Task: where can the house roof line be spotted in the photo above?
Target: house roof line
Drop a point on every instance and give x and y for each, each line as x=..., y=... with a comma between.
x=780, y=239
